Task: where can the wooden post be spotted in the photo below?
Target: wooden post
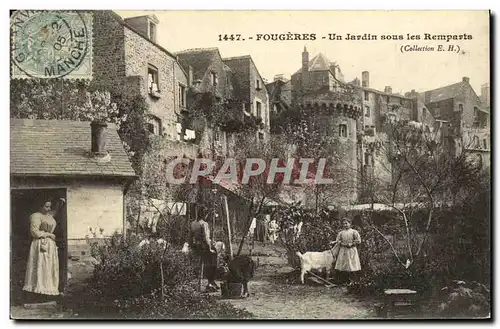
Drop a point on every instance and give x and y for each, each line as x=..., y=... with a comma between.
x=201, y=273
x=225, y=212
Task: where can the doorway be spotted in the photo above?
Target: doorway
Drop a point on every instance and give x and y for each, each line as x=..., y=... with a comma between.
x=25, y=202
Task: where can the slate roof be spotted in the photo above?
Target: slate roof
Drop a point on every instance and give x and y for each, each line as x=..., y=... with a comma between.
x=199, y=59
x=62, y=148
x=443, y=93
x=382, y=93
x=318, y=63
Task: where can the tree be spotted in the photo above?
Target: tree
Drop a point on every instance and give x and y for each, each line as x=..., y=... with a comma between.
x=423, y=177
x=312, y=136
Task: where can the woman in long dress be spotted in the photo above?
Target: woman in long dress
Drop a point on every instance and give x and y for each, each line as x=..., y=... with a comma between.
x=348, y=258
x=42, y=271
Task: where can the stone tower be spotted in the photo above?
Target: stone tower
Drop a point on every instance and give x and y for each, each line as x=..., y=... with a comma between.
x=332, y=109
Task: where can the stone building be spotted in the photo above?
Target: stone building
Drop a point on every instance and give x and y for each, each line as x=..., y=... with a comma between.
x=234, y=80
x=468, y=116
x=128, y=60
x=280, y=97
x=358, y=120
x=239, y=91
x=334, y=109
x=250, y=89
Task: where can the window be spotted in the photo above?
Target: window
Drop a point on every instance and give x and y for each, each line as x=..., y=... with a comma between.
x=485, y=144
x=258, y=109
x=343, y=130
x=154, y=125
x=460, y=108
x=182, y=95
x=152, y=31
x=367, y=111
x=216, y=136
x=258, y=84
x=213, y=79
x=261, y=137
x=388, y=99
x=153, y=79
x=475, y=142
x=367, y=159
x=476, y=116
x=437, y=112
x=367, y=97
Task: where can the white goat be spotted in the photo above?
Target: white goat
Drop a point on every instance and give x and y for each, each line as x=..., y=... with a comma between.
x=313, y=260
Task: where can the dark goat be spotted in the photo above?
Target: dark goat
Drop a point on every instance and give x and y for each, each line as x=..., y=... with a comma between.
x=240, y=270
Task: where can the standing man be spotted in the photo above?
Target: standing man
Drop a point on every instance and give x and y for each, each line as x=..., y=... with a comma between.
x=203, y=247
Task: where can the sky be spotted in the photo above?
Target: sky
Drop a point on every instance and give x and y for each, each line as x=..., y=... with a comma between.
x=388, y=66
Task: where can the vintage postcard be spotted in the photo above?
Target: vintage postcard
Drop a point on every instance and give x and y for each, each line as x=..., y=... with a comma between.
x=250, y=164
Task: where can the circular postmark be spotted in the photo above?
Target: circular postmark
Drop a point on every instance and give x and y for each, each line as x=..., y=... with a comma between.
x=48, y=44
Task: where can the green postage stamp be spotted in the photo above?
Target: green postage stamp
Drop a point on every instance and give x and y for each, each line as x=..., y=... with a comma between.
x=51, y=44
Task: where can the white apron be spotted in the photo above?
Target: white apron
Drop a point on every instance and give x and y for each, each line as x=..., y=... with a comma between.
x=42, y=271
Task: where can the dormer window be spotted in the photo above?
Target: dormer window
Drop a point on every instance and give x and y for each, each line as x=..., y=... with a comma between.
x=152, y=32
x=153, y=86
x=214, y=79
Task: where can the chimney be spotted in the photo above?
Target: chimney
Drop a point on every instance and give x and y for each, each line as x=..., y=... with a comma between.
x=427, y=97
x=465, y=79
x=388, y=90
x=365, y=79
x=190, y=76
x=99, y=138
x=305, y=60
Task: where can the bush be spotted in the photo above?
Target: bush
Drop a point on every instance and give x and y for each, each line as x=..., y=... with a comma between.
x=127, y=284
x=180, y=303
x=462, y=299
x=128, y=271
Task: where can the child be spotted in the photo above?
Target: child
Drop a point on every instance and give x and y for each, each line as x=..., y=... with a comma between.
x=348, y=259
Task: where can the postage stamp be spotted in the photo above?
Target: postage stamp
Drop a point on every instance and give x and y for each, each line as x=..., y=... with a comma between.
x=51, y=44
